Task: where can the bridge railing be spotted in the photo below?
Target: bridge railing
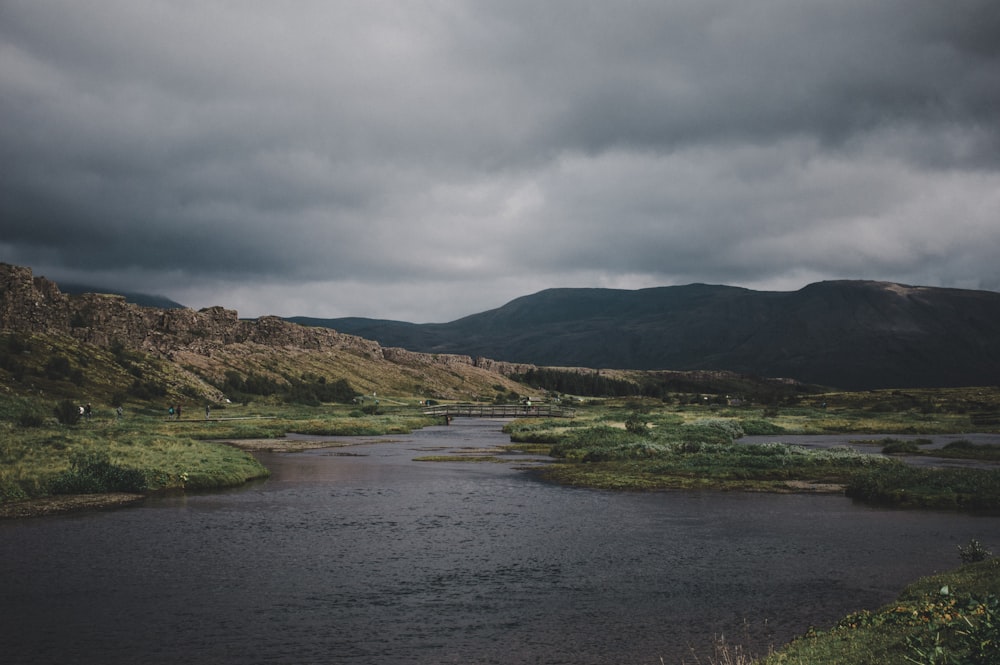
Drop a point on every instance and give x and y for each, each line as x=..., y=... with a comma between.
x=499, y=411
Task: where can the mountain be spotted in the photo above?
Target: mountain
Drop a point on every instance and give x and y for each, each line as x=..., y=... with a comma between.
x=846, y=334
x=143, y=299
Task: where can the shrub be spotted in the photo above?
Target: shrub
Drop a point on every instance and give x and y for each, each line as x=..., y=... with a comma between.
x=706, y=431
x=903, y=485
x=32, y=419
x=94, y=473
x=313, y=391
x=759, y=426
x=899, y=446
x=974, y=552
x=67, y=412
x=24, y=412
x=593, y=442
x=731, y=428
x=636, y=423
x=147, y=390
x=58, y=367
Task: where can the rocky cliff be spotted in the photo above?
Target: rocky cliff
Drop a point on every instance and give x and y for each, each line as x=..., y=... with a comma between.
x=30, y=304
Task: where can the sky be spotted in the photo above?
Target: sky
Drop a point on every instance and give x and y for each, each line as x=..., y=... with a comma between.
x=424, y=160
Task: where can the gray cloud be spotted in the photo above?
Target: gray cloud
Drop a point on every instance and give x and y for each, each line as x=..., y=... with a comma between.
x=427, y=161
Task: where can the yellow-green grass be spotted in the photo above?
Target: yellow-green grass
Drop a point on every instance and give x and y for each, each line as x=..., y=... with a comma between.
x=42, y=461
x=948, y=619
x=47, y=457
x=614, y=448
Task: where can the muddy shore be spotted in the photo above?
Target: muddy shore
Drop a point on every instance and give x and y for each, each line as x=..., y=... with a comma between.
x=294, y=443
x=66, y=503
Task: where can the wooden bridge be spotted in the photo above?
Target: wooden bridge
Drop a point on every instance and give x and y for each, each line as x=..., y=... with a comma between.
x=499, y=411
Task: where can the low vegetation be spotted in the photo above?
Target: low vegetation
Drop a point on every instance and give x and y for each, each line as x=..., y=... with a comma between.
x=948, y=619
x=907, y=486
x=633, y=445
x=701, y=454
x=97, y=457
x=146, y=449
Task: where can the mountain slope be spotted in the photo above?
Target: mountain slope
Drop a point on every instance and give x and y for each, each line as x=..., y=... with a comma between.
x=848, y=334
x=96, y=345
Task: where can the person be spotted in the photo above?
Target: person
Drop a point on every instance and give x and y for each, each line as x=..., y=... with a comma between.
x=88, y=411
x=208, y=411
x=119, y=412
x=170, y=411
x=178, y=412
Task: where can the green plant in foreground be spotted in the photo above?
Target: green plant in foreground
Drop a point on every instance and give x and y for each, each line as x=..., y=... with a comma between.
x=958, y=630
x=974, y=552
x=947, y=619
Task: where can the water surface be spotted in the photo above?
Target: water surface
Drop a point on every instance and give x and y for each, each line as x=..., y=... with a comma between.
x=361, y=555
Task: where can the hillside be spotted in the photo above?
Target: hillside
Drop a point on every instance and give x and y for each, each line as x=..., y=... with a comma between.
x=847, y=334
x=100, y=347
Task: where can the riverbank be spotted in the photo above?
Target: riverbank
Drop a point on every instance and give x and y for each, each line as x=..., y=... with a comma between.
x=60, y=504
x=953, y=617
x=43, y=462
x=298, y=443
x=67, y=503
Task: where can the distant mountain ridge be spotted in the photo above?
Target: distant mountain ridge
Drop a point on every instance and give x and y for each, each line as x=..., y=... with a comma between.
x=141, y=299
x=848, y=334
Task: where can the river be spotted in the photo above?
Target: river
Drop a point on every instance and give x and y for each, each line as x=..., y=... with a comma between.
x=362, y=555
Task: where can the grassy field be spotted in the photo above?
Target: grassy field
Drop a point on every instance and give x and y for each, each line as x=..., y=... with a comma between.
x=642, y=445
x=622, y=444
x=145, y=450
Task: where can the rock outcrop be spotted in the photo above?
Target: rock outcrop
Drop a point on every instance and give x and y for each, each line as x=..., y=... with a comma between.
x=35, y=304
x=31, y=304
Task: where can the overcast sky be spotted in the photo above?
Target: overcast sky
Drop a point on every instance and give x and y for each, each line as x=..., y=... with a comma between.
x=426, y=160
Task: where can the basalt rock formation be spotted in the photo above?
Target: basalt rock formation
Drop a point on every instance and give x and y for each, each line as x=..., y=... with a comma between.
x=210, y=341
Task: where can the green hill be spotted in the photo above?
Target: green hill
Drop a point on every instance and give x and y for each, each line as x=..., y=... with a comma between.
x=848, y=334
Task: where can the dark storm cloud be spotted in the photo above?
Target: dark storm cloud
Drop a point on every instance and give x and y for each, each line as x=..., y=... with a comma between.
x=665, y=74
x=427, y=161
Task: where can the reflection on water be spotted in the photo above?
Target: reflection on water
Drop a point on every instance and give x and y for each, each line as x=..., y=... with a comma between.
x=360, y=555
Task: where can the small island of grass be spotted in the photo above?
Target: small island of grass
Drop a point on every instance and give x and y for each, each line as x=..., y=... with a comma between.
x=648, y=451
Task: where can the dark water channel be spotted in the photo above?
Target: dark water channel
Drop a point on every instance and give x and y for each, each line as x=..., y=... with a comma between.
x=361, y=555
